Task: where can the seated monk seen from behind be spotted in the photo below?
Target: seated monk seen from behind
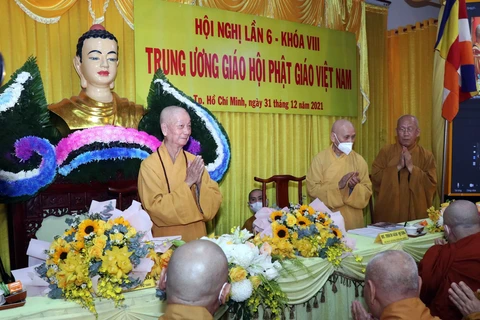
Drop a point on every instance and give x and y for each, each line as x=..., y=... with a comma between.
x=392, y=286
x=196, y=281
x=404, y=176
x=96, y=63
x=174, y=186
x=458, y=260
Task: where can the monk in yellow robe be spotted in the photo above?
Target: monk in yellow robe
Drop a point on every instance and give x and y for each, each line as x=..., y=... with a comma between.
x=338, y=176
x=404, y=176
x=196, y=281
x=391, y=289
x=96, y=63
x=173, y=185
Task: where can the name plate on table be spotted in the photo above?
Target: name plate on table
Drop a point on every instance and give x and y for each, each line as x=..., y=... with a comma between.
x=149, y=282
x=391, y=236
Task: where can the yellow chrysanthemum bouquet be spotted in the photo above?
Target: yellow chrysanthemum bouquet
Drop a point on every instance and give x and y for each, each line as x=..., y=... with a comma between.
x=94, y=258
x=436, y=218
x=301, y=231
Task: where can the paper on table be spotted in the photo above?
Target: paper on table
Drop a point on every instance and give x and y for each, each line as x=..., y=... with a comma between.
x=367, y=232
x=37, y=248
x=31, y=282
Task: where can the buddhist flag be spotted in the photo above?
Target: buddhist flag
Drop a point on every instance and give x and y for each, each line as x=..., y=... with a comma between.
x=454, y=43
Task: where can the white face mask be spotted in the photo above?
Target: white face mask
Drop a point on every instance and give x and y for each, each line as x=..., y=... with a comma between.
x=345, y=147
x=256, y=206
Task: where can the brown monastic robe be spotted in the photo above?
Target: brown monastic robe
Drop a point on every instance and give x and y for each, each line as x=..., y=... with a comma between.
x=401, y=195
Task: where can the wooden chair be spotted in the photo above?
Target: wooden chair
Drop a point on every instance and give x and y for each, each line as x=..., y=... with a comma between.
x=281, y=185
x=125, y=194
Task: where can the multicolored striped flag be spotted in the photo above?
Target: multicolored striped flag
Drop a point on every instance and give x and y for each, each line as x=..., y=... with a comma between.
x=454, y=44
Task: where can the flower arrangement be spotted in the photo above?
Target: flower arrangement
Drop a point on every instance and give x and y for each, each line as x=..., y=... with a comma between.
x=436, y=218
x=252, y=274
x=94, y=257
x=28, y=182
x=301, y=231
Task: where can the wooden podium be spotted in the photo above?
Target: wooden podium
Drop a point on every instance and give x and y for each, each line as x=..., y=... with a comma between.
x=59, y=199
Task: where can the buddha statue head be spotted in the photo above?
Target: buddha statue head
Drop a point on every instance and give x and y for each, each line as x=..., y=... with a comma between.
x=96, y=62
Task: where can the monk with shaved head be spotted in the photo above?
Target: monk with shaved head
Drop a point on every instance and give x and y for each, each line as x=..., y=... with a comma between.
x=196, y=281
x=391, y=289
x=404, y=176
x=173, y=184
x=338, y=176
x=458, y=260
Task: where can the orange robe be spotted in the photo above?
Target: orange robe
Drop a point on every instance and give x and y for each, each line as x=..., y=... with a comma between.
x=184, y=312
x=182, y=210
x=472, y=316
x=444, y=264
x=407, y=309
x=249, y=224
x=323, y=176
x=401, y=195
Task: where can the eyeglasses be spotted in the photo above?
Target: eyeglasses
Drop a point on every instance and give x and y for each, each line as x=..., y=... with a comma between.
x=404, y=130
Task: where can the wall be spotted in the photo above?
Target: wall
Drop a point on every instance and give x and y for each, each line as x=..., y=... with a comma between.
x=402, y=13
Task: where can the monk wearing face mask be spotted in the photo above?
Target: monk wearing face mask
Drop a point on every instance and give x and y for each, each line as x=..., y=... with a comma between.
x=255, y=199
x=338, y=176
x=96, y=63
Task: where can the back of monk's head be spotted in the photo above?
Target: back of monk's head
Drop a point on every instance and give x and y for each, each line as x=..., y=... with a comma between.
x=394, y=274
x=461, y=220
x=196, y=274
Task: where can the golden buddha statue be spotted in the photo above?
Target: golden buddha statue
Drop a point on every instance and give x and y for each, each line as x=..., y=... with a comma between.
x=96, y=63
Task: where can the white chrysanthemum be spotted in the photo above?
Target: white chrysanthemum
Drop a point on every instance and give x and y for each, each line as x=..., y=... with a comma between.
x=259, y=264
x=271, y=273
x=241, y=254
x=241, y=290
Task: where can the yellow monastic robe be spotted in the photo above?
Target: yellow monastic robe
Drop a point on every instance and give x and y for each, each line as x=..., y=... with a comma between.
x=407, y=309
x=399, y=195
x=81, y=112
x=184, y=312
x=472, y=316
x=323, y=176
x=177, y=211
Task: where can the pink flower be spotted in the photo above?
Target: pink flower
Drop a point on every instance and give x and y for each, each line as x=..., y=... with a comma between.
x=266, y=248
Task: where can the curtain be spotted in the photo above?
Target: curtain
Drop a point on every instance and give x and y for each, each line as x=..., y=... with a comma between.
x=262, y=144
x=410, y=61
x=410, y=85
